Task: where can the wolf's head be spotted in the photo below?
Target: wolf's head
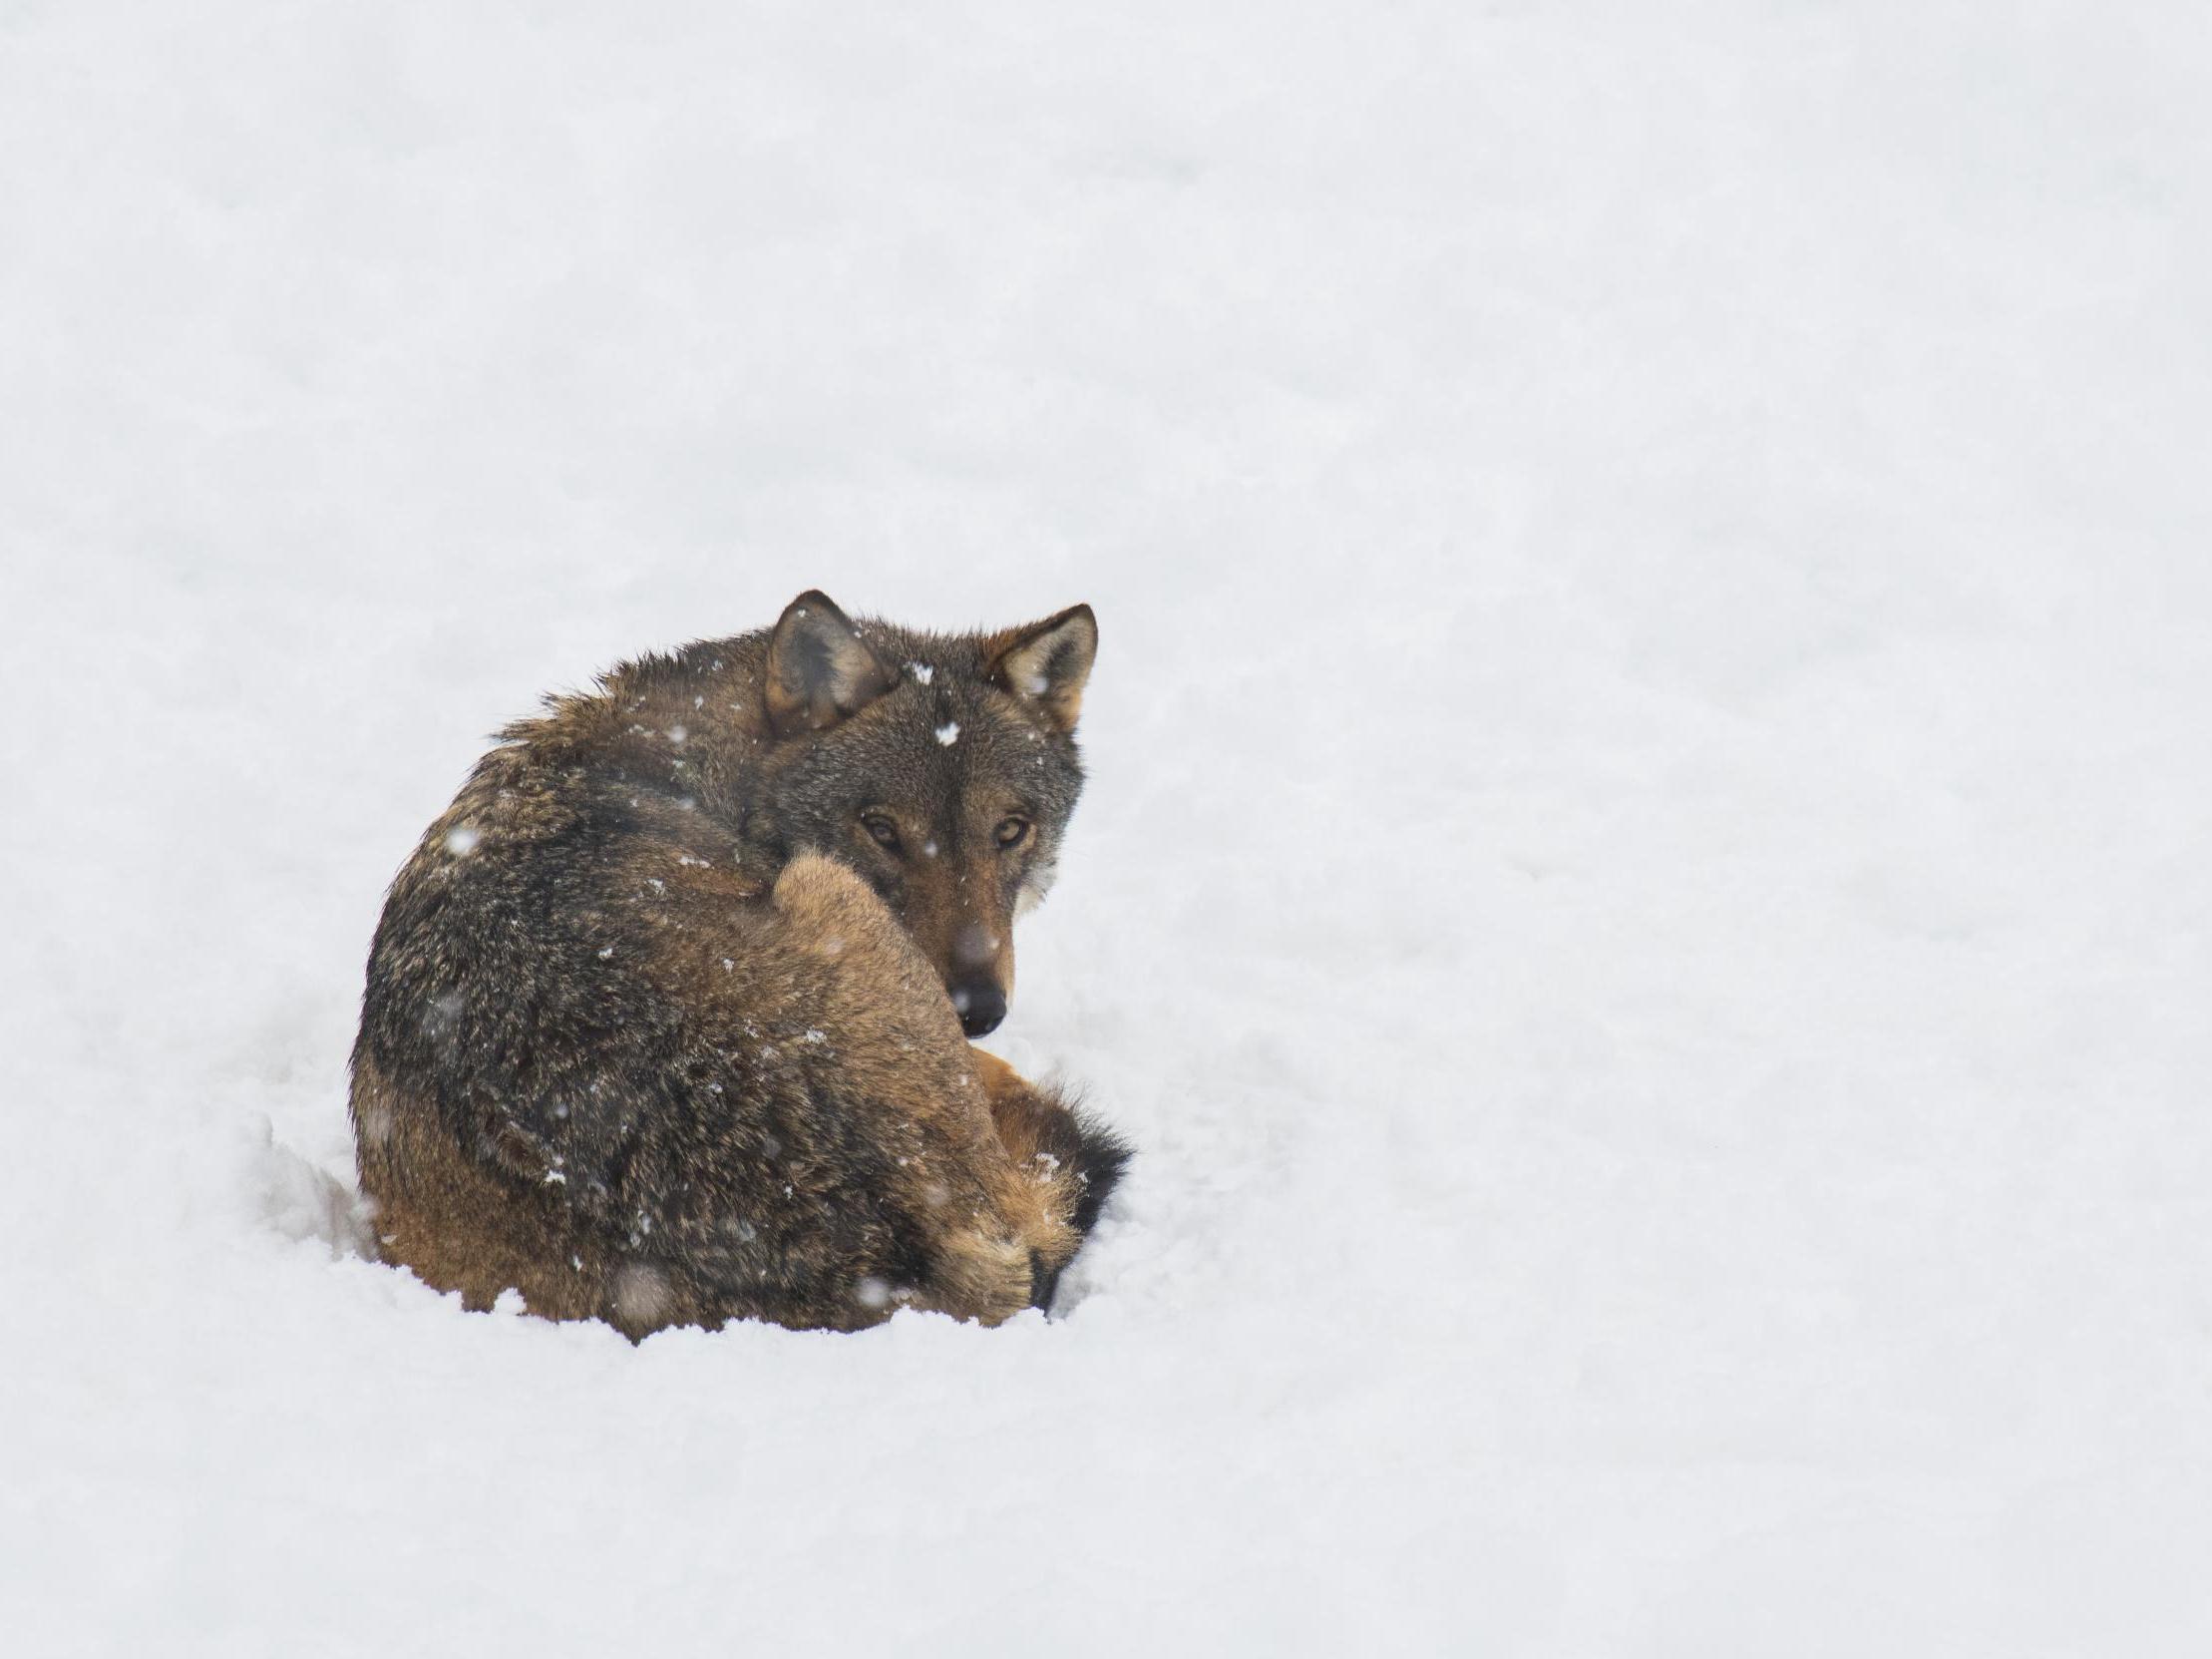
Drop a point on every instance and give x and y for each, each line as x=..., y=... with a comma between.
x=942, y=768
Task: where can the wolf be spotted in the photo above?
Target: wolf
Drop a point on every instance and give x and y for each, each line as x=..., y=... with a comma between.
x=667, y=1017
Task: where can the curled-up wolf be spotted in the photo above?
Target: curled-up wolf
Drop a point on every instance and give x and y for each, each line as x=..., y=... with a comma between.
x=664, y=1021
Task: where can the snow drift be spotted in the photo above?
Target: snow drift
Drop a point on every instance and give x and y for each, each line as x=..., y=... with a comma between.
x=1642, y=893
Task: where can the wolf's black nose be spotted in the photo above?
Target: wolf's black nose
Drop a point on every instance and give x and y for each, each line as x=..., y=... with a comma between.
x=981, y=1005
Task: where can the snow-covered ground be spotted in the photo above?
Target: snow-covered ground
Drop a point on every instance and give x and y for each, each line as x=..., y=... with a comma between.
x=1643, y=893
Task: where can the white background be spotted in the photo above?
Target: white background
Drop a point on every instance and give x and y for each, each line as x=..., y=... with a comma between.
x=1643, y=893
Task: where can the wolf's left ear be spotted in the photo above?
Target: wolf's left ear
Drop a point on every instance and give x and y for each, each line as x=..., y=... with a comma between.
x=1048, y=664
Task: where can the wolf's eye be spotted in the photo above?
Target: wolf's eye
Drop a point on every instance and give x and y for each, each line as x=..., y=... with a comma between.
x=883, y=829
x=1011, y=832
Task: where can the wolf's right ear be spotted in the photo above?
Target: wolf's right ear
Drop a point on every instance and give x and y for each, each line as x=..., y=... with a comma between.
x=820, y=669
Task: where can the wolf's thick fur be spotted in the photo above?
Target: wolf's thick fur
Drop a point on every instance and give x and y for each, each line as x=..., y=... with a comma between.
x=664, y=1016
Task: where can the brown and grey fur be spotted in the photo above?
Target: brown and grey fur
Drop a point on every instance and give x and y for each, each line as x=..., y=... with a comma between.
x=664, y=1016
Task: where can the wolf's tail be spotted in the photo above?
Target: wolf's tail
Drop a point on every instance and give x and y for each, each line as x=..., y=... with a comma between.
x=1099, y=1159
x=1076, y=1156
x=1081, y=1162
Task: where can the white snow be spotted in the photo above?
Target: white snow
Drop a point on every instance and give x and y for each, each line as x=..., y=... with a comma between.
x=1642, y=895
x=949, y=733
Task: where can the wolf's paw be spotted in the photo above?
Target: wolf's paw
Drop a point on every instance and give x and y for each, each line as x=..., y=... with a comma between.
x=984, y=1279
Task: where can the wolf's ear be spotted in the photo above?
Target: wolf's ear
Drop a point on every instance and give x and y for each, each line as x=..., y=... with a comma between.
x=1048, y=663
x=820, y=669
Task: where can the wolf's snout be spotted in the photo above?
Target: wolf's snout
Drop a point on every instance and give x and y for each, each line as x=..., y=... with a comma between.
x=981, y=1005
